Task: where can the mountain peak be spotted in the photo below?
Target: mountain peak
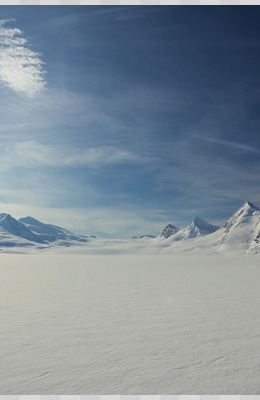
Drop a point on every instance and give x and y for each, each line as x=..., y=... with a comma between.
x=203, y=225
x=199, y=221
x=4, y=215
x=171, y=226
x=168, y=231
x=247, y=210
x=247, y=204
x=30, y=221
x=50, y=233
x=17, y=228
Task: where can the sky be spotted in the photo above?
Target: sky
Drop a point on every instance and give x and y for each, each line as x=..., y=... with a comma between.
x=118, y=120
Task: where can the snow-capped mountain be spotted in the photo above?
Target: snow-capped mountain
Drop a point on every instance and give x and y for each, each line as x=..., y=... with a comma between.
x=168, y=231
x=143, y=237
x=240, y=233
x=242, y=229
x=50, y=233
x=146, y=237
x=197, y=228
x=31, y=232
x=9, y=225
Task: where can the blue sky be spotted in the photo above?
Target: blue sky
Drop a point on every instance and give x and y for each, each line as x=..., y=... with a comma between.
x=118, y=120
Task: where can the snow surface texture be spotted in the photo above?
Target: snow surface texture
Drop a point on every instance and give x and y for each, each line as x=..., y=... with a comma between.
x=131, y=324
x=129, y=397
x=239, y=235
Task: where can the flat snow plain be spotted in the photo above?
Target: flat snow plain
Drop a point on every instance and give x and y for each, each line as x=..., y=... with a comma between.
x=129, y=324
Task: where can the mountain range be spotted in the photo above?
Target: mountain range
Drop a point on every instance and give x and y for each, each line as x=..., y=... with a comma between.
x=198, y=227
x=241, y=232
x=29, y=231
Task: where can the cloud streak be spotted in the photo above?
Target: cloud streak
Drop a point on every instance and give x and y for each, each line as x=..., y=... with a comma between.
x=228, y=143
x=21, y=69
x=30, y=154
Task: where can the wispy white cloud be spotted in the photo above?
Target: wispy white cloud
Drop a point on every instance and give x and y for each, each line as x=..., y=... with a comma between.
x=229, y=143
x=31, y=154
x=21, y=69
x=57, y=108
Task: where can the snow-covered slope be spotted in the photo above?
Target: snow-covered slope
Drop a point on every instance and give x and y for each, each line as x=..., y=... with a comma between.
x=168, y=231
x=11, y=229
x=197, y=228
x=241, y=230
x=50, y=233
x=240, y=233
x=30, y=232
x=255, y=244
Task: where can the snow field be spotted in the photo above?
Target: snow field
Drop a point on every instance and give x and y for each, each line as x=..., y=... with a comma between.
x=135, y=324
